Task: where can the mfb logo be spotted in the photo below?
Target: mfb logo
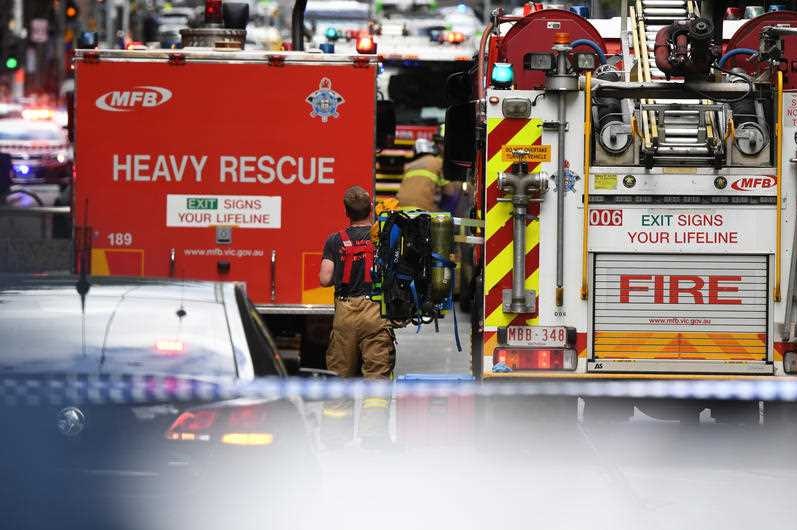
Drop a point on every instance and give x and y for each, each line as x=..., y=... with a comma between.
x=129, y=100
x=753, y=183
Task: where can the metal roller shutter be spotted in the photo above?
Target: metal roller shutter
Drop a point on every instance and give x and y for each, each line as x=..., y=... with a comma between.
x=660, y=306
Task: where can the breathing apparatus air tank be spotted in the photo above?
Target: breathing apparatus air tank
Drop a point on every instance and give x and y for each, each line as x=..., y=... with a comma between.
x=442, y=244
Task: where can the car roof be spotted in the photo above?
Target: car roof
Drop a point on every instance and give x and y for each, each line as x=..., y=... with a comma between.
x=116, y=287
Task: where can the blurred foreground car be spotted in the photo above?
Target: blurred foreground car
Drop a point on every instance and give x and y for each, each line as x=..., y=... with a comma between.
x=146, y=460
x=41, y=159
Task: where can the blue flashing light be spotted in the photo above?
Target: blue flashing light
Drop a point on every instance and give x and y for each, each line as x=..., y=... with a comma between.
x=23, y=169
x=580, y=10
x=503, y=75
x=777, y=7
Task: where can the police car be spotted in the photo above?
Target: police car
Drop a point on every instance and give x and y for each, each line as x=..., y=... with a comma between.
x=41, y=158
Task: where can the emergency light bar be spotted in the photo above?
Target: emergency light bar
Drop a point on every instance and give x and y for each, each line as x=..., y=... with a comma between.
x=213, y=14
x=366, y=44
x=453, y=37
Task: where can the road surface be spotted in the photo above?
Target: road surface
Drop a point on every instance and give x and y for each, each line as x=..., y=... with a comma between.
x=428, y=352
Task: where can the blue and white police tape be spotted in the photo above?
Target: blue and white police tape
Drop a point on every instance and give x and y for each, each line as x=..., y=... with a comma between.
x=110, y=390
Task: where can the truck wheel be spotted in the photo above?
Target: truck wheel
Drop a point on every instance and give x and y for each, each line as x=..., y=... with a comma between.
x=476, y=325
x=315, y=339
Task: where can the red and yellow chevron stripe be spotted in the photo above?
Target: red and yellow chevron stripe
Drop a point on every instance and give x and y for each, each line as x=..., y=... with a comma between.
x=498, y=228
x=780, y=348
x=680, y=345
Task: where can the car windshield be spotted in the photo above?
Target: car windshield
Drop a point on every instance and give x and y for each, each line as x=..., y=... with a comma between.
x=52, y=332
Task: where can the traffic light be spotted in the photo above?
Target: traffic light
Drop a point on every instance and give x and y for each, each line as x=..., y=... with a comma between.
x=13, y=49
x=71, y=10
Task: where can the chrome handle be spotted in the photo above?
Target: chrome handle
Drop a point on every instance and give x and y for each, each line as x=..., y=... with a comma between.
x=172, y=259
x=273, y=275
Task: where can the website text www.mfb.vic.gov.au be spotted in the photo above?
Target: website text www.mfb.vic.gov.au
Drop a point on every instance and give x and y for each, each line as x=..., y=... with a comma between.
x=681, y=321
x=228, y=252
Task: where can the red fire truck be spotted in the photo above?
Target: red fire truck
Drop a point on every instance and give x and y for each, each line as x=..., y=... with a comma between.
x=218, y=163
x=637, y=218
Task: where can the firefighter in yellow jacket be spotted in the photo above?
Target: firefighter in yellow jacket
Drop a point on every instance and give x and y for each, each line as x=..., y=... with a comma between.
x=423, y=185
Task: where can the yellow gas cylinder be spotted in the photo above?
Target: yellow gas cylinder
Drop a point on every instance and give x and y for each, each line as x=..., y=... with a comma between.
x=442, y=229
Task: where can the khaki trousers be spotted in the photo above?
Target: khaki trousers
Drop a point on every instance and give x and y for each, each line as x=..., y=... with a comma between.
x=361, y=342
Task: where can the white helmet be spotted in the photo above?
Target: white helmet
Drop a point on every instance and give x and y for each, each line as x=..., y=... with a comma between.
x=424, y=146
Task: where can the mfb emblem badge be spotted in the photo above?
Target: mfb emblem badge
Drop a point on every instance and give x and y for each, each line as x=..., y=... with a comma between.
x=325, y=101
x=71, y=421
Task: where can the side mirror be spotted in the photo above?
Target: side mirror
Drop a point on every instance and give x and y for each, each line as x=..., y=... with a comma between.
x=292, y=360
x=70, y=115
x=385, y=124
x=459, y=148
x=459, y=88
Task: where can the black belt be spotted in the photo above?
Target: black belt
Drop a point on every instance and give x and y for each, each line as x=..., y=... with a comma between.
x=347, y=298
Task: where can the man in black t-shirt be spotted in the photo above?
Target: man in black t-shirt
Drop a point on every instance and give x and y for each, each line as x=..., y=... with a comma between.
x=361, y=342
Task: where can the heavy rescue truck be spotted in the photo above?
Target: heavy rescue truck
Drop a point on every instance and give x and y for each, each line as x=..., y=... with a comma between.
x=638, y=210
x=217, y=163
